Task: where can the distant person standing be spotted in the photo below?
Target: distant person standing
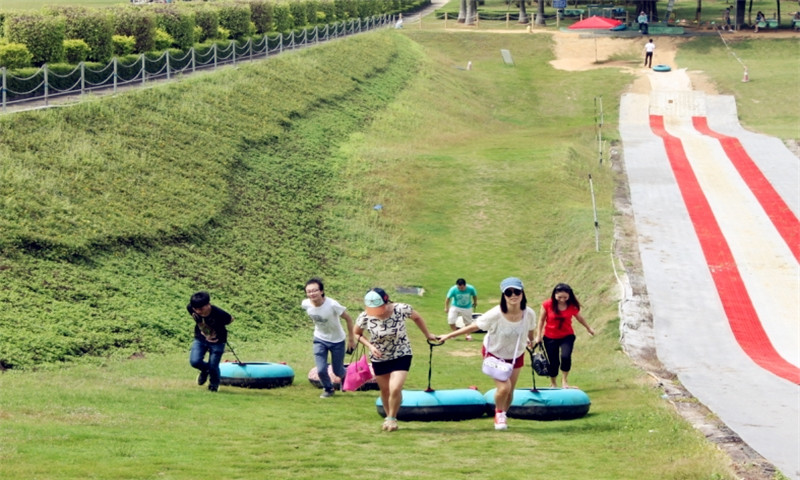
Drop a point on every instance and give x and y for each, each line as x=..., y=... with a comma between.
x=210, y=335
x=648, y=53
x=461, y=299
x=555, y=330
x=642, y=21
x=329, y=336
x=726, y=18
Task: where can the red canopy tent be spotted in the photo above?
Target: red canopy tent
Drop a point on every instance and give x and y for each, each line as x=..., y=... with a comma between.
x=596, y=23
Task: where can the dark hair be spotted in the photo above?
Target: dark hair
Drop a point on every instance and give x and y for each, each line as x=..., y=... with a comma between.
x=504, y=306
x=382, y=293
x=200, y=300
x=461, y=281
x=571, y=301
x=318, y=281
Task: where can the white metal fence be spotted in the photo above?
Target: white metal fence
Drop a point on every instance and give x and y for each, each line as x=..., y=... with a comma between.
x=46, y=84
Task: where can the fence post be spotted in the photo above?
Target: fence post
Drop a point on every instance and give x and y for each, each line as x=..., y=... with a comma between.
x=233, y=49
x=167, y=58
x=193, y=59
x=83, y=79
x=215, y=55
x=144, y=69
x=46, y=86
x=3, y=88
x=114, y=75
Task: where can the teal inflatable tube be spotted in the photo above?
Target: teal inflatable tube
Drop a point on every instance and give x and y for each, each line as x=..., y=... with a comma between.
x=662, y=68
x=255, y=375
x=439, y=405
x=544, y=404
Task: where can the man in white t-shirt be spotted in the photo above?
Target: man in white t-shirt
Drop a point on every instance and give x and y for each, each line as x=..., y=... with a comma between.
x=329, y=336
x=648, y=53
x=461, y=299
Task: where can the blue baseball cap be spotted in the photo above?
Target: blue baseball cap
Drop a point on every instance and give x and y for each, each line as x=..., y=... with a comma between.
x=374, y=300
x=511, y=282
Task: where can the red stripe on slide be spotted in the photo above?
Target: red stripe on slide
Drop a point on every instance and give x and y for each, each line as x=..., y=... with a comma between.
x=742, y=316
x=778, y=212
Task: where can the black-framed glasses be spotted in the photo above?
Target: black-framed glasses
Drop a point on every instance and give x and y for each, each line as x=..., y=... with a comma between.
x=510, y=292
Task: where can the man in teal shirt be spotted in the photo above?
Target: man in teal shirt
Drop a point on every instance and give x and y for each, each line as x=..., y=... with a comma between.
x=461, y=299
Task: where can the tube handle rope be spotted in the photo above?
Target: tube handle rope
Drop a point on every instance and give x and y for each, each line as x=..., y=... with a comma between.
x=531, y=351
x=431, y=344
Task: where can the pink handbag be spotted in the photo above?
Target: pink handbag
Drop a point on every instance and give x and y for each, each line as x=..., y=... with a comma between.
x=358, y=373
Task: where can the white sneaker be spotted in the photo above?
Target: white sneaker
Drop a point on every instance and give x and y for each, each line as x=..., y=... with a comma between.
x=500, y=421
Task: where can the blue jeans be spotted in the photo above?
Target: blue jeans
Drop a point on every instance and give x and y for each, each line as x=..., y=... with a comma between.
x=198, y=353
x=321, y=349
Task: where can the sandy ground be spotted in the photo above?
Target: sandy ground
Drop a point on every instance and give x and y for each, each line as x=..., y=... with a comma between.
x=577, y=52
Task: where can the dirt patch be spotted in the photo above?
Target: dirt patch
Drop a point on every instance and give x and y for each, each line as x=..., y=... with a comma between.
x=579, y=52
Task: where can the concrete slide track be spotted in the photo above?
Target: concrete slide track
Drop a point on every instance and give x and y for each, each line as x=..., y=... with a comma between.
x=716, y=211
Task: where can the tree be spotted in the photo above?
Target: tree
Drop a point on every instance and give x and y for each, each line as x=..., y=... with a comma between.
x=523, y=14
x=540, y=12
x=472, y=12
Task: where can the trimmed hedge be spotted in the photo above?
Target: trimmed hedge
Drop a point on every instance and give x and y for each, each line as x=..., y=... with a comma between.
x=76, y=51
x=15, y=55
x=261, y=13
x=123, y=44
x=208, y=21
x=236, y=18
x=138, y=23
x=44, y=35
x=93, y=26
x=179, y=23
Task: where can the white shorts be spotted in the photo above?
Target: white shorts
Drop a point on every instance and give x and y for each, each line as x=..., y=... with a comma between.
x=455, y=312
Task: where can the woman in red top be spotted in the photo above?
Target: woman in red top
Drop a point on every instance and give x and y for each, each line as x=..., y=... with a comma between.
x=555, y=329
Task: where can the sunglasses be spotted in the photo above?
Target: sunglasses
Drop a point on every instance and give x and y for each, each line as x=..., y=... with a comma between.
x=510, y=292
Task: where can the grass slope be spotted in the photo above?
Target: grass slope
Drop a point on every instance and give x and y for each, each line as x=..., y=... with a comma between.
x=123, y=206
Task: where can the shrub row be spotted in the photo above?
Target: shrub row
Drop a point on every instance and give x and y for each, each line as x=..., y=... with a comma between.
x=161, y=26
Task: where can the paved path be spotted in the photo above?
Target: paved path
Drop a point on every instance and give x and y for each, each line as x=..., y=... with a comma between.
x=716, y=210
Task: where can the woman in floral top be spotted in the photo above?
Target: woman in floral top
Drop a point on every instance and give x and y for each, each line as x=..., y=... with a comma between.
x=389, y=347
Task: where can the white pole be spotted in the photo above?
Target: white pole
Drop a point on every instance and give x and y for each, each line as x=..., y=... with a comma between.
x=596, y=224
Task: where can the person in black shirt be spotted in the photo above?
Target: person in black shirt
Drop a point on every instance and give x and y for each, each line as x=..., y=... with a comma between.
x=210, y=335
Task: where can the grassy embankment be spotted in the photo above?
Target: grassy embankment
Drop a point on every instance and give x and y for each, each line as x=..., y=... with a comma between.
x=478, y=176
